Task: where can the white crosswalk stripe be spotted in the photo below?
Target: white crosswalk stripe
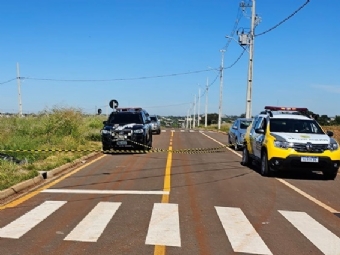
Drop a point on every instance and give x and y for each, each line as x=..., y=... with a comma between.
x=320, y=236
x=93, y=225
x=22, y=225
x=241, y=234
x=164, y=227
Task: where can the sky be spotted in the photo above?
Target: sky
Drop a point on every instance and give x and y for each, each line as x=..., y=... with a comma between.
x=165, y=55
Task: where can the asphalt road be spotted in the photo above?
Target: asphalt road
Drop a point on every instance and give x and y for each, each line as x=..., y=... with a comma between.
x=175, y=203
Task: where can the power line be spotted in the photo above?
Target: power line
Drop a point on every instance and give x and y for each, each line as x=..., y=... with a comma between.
x=290, y=16
x=7, y=81
x=238, y=18
x=244, y=49
x=118, y=79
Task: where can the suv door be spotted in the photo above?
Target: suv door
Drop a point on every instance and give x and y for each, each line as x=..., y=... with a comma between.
x=259, y=138
x=255, y=138
x=251, y=135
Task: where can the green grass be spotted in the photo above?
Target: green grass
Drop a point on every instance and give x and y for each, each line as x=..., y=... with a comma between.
x=59, y=128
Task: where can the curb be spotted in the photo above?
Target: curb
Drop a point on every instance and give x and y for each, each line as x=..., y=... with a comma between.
x=17, y=188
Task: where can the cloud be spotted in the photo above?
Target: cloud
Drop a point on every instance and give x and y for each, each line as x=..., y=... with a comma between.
x=328, y=88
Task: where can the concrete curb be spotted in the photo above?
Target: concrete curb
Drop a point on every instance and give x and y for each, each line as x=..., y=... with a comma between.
x=17, y=188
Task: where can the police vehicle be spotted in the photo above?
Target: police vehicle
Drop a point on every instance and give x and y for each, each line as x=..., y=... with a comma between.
x=286, y=138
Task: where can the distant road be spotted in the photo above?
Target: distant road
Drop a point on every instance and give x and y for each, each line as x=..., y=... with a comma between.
x=175, y=203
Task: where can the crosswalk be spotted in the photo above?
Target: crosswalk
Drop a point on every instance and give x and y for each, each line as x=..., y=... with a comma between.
x=164, y=226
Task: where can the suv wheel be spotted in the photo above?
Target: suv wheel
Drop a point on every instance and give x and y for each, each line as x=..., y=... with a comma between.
x=330, y=174
x=264, y=165
x=106, y=149
x=246, y=159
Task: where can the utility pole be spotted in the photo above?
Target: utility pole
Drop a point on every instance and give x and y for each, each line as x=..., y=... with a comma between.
x=206, y=104
x=198, y=107
x=221, y=92
x=193, y=123
x=250, y=65
x=19, y=90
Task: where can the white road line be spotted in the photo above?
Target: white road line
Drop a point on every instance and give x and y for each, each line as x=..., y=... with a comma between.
x=164, y=226
x=321, y=237
x=109, y=192
x=241, y=234
x=22, y=225
x=323, y=205
x=222, y=145
x=93, y=225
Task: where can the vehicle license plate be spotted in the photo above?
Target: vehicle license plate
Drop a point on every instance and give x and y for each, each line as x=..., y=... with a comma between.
x=121, y=142
x=121, y=136
x=310, y=159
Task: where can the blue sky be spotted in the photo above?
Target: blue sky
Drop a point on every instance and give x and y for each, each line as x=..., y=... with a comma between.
x=295, y=64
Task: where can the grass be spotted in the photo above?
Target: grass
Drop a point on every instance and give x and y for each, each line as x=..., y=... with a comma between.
x=59, y=128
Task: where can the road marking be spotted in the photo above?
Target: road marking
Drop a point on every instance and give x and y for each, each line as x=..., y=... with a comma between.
x=111, y=192
x=93, y=225
x=241, y=234
x=22, y=225
x=318, y=202
x=160, y=249
x=222, y=145
x=164, y=226
x=321, y=237
x=37, y=191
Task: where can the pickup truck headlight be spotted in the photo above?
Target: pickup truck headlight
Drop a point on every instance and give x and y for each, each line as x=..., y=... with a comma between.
x=333, y=146
x=283, y=145
x=138, y=131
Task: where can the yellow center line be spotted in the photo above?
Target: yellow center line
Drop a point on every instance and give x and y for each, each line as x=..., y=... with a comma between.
x=37, y=191
x=160, y=249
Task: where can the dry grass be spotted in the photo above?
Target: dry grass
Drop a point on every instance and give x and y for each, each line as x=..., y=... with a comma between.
x=335, y=129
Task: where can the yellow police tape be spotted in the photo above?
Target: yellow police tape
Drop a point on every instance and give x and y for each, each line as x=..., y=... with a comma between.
x=112, y=151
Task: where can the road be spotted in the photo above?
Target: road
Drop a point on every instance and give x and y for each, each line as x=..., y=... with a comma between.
x=175, y=203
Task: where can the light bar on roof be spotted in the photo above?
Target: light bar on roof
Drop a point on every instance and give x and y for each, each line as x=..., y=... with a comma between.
x=129, y=109
x=279, y=108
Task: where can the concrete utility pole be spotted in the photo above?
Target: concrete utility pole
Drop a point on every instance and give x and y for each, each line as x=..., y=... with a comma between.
x=198, y=107
x=19, y=90
x=221, y=92
x=206, y=104
x=194, y=119
x=250, y=65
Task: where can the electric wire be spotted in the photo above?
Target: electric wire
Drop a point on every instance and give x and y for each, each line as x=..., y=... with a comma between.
x=1, y=83
x=238, y=18
x=119, y=79
x=284, y=20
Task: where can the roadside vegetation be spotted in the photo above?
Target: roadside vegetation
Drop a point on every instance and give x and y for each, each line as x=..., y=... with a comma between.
x=55, y=129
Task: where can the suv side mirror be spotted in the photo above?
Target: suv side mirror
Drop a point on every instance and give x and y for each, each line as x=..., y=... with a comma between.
x=329, y=133
x=259, y=131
